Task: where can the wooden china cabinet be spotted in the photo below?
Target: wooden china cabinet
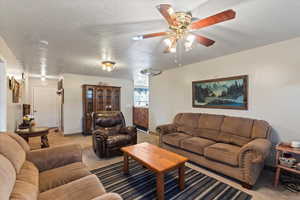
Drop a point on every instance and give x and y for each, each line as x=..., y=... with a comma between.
x=97, y=98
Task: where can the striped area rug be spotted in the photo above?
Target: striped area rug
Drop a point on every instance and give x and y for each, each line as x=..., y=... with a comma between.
x=141, y=184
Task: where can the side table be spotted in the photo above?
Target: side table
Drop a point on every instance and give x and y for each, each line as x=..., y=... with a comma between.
x=35, y=132
x=284, y=148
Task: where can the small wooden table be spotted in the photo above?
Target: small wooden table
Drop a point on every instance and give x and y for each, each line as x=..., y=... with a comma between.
x=284, y=148
x=35, y=132
x=157, y=160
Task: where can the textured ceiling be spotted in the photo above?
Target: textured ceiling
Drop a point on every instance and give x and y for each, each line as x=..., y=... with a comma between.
x=81, y=33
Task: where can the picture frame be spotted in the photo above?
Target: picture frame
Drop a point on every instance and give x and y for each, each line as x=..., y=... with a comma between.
x=221, y=93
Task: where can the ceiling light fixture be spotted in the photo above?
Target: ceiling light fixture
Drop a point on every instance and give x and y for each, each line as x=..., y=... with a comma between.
x=108, y=65
x=151, y=72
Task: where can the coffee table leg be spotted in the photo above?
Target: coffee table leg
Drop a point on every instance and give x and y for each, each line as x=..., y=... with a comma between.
x=44, y=140
x=160, y=186
x=181, y=175
x=126, y=164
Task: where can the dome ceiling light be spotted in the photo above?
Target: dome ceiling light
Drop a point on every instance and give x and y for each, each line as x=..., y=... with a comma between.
x=108, y=65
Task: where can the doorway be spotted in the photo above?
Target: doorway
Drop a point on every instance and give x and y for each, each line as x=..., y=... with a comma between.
x=3, y=97
x=46, y=107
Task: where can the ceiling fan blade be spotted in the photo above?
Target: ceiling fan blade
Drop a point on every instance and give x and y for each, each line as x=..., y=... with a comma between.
x=203, y=40
x=167, y=12
x=218, y=18
x=150, y=35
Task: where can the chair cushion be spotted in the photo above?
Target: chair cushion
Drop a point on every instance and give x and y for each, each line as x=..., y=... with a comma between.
x=12, y=151
x=118, y=140
x=86, y=188
x=29, y=173
x=196, y=144
x=7, y=177
x=59, y=176
x=224, y=153
x=175, y=138
x=24, y=191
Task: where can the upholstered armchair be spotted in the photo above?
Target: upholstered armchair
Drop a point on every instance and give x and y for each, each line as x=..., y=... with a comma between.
x=110, y=133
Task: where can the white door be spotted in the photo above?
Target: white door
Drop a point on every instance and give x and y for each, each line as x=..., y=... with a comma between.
x=45, y=106
x=3, y=98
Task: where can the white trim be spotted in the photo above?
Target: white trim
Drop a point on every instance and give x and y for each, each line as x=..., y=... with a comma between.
x=3, y=96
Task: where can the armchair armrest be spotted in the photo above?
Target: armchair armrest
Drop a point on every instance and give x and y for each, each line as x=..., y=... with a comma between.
x=259, y=148
x=130, y=130
x=166, y=129
x=50, y=158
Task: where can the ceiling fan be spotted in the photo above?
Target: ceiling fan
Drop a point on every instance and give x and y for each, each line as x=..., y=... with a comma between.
x=182, y=26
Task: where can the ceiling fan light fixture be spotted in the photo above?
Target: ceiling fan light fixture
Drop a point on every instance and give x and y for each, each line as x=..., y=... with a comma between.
x=108, y=65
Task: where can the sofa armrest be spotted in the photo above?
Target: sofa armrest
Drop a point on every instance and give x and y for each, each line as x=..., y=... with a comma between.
x=258, y=148
x=130, y=130
x=166, y=129
x=108, y=196
x=50, y=158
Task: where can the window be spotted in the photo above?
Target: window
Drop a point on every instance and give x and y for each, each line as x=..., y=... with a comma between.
x=141, y=97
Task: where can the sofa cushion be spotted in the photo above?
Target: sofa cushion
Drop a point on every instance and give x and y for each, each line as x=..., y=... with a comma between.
x=20, y=141
x=233, y=139
x=86, y=188
x=59, y=176
x=189, y=130
x=12, y=151
x=207, y=133
x=225, y=153
x=7, y=177
x=188, y=119
x=24, y=191
x=196, y=144
x=260, y=129
x=29, y=173
x=175, y=138
x=208, y=121
x=237, y=126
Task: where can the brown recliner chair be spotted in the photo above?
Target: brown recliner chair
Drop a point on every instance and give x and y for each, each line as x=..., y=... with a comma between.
x=110, y=133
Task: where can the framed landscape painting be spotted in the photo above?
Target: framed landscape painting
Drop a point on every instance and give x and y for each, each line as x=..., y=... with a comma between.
x=225, y=93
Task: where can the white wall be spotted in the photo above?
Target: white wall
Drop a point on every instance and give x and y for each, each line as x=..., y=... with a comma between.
x=12, y=68
x=274, y=87
x=73, y=99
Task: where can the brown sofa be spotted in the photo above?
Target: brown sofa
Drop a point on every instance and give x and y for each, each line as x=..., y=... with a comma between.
x=236, y=147
x=53, y=173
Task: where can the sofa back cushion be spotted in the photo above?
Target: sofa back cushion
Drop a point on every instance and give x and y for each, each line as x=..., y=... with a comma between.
x=236, y=130
x=20, y=141
x=11, y=149
x=209, y=126
x=261, y=129
x=187, y=122
x=7, y=178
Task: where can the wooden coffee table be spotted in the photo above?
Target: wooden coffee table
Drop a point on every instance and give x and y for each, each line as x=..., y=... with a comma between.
x=35, y=132
x=157, y=160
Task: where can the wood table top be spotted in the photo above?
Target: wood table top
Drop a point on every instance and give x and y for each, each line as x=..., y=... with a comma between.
x=35, y=130
x=154, y=157
x=286, y=147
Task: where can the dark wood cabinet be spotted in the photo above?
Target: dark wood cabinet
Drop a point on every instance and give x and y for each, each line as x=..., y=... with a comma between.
x=98, y=98
x=140, y=117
